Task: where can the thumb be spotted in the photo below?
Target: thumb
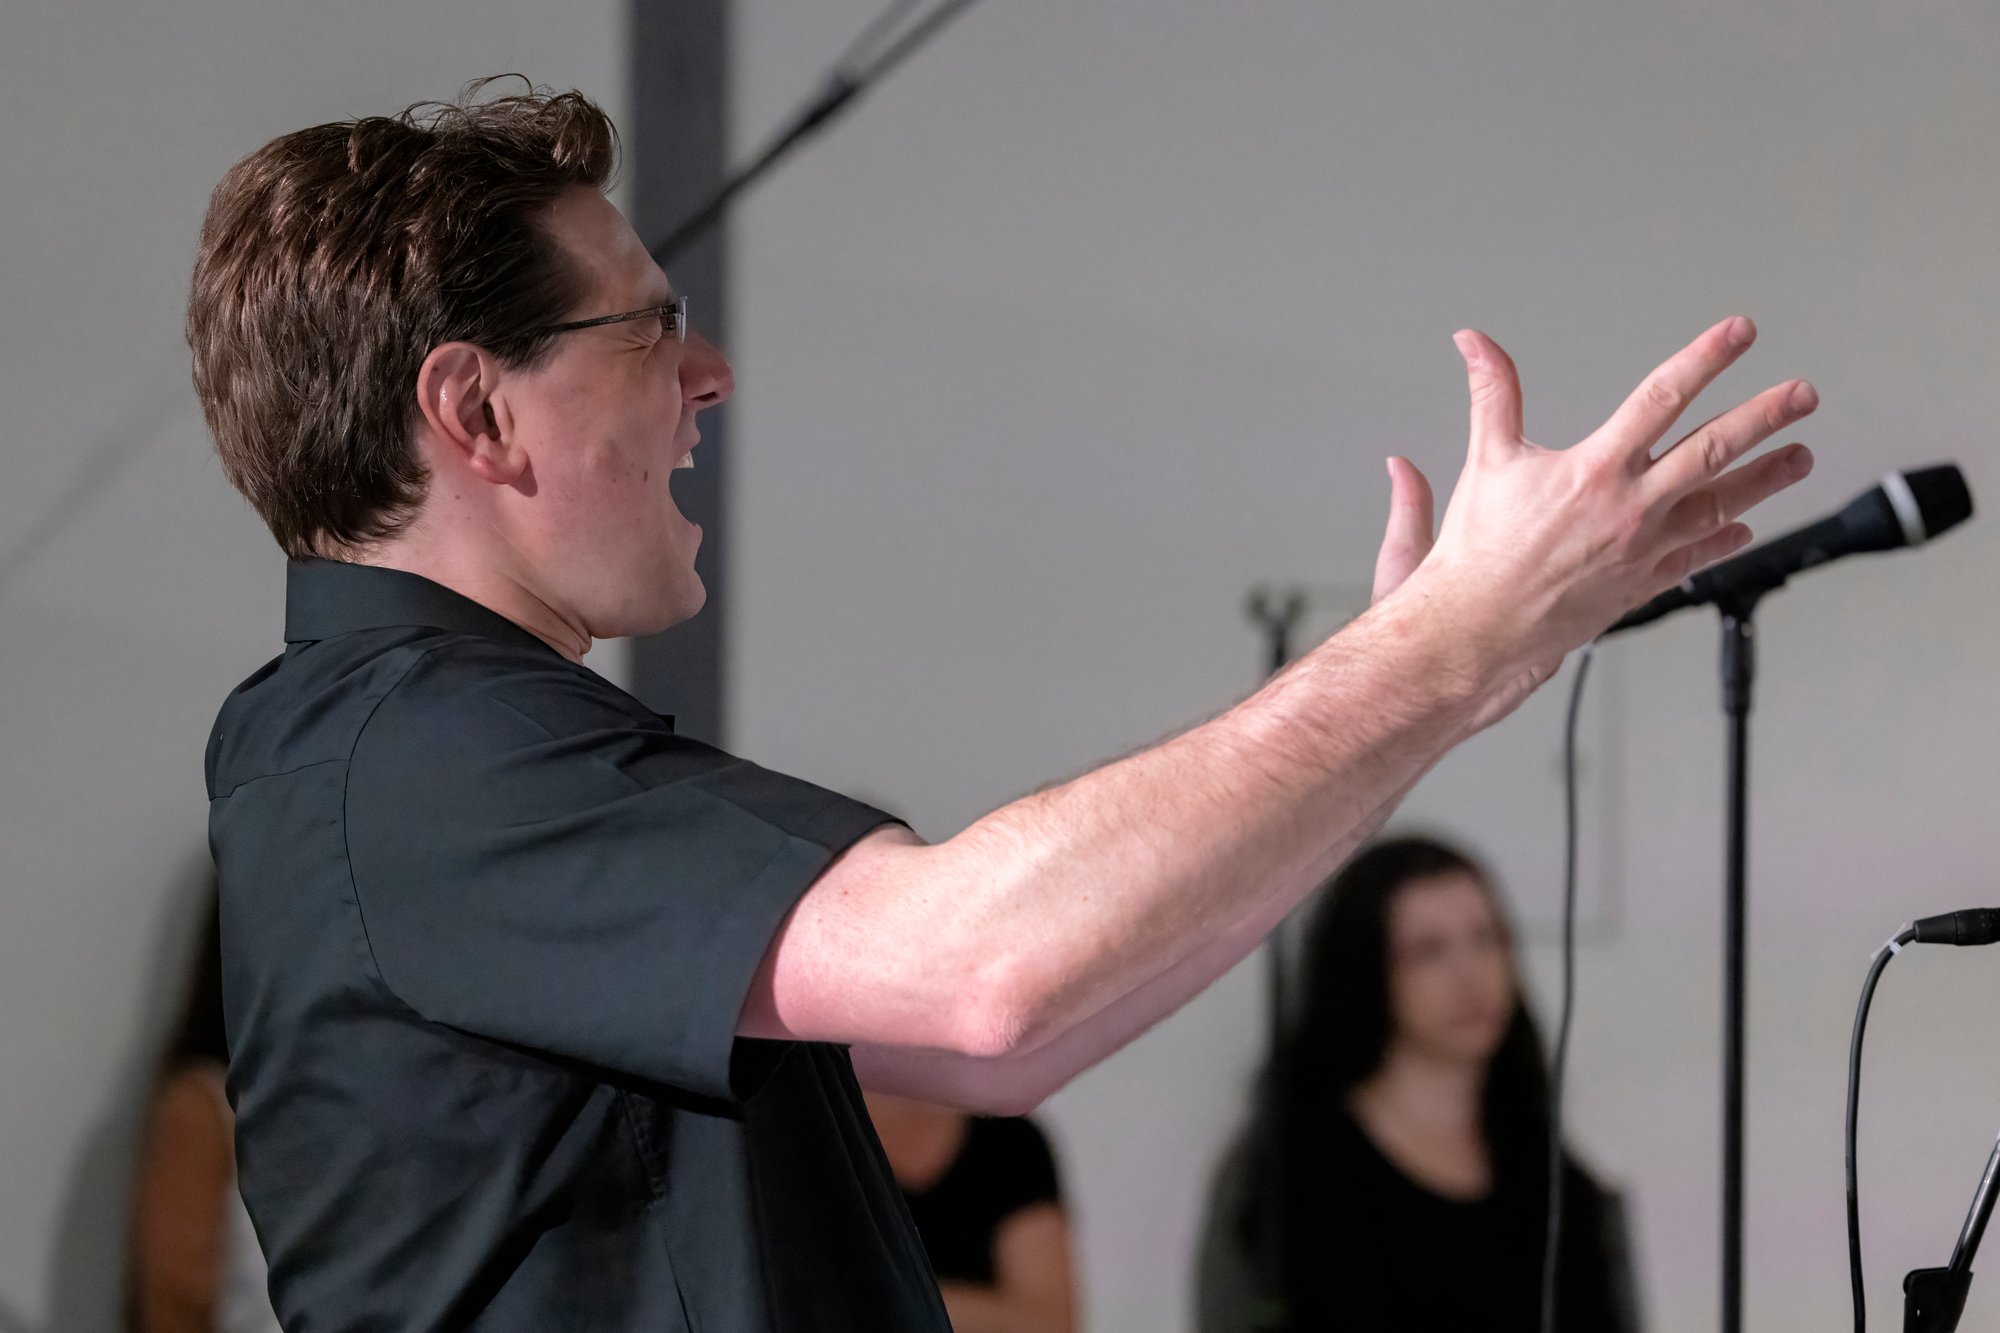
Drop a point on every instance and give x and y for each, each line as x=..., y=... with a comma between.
x=1495, y=387
x=1408, y=537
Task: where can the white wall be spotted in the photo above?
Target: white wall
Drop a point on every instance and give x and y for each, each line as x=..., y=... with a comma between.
x=1104, y=311
x=127, y=620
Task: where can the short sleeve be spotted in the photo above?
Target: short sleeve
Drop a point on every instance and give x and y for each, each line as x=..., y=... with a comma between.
x=1016, y=1165
x=538, y=861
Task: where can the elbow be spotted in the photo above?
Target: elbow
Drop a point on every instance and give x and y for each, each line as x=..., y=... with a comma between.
x=993, y=1028
x=1003, y=1012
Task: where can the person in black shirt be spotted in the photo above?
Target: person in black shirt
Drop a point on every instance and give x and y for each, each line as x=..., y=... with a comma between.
x=1400, y=1147
x=542, y=1016
x=986, y=1200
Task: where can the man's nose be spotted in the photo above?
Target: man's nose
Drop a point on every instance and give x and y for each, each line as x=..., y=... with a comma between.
x=706, y=380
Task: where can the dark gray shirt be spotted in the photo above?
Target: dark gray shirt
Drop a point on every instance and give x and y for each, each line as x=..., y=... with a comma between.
x=487, y=928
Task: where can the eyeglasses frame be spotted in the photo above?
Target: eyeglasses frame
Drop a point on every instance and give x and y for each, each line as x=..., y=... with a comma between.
x=675, y=311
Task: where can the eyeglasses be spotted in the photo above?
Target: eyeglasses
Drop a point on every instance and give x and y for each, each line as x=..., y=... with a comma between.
x=673, y=317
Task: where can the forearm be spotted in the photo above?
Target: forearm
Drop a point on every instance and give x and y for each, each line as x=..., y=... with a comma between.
x=180, y=1195
x=1161, y=870
x=1053, y=908
x=1016, y=1085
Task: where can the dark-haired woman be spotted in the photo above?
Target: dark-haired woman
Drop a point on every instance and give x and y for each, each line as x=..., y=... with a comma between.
x=1395, y=1175
x=193, y=1265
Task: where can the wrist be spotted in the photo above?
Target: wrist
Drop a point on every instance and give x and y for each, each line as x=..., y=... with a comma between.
x=1404, y=681
x=1445, y=646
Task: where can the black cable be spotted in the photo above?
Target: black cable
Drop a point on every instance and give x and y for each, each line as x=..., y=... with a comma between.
x=1882, y=957
x=857, y=70
x=1559, y=1066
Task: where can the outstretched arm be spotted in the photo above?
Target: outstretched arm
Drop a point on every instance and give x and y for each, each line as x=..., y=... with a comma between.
x=1118, y=893
x=1016, y=1085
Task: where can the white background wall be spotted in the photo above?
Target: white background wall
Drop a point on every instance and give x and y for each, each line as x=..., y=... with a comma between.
x=1104, y=311
x=122, y=626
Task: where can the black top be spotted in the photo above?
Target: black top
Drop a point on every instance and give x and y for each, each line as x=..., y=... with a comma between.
x=1003, y=1167
x=1382, y=1252
x=487, y=928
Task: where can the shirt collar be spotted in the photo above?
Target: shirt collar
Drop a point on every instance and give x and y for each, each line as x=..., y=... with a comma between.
x=328, y=597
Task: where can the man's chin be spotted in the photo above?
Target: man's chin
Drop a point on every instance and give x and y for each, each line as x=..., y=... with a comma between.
x=684, y=603
x=654, y=601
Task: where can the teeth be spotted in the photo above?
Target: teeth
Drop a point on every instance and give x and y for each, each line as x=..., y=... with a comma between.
x=687, y=460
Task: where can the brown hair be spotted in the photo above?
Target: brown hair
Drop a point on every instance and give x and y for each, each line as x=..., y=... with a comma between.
x=334, y=259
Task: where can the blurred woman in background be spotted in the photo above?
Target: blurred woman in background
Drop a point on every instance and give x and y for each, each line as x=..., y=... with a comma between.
x=986, y=1200
x=1395, y=1174
x=193, y=1264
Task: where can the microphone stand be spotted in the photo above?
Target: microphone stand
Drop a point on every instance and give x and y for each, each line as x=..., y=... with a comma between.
x=1739, y=675
x=1277, y=613
x=1891, y=516
x=1934, y=1298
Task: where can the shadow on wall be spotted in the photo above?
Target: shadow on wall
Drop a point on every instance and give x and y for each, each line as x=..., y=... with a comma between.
x=86, y=1282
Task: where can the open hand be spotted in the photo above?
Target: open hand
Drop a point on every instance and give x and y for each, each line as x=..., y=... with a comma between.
x=1542, y=549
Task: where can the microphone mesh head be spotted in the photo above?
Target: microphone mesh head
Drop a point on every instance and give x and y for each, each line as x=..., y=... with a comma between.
x=1942, y=496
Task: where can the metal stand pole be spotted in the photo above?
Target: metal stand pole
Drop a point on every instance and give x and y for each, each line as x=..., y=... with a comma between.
x=1739, y=673
x=1277, y=613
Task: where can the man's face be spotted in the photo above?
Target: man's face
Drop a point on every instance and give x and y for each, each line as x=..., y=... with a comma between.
x=606, y=420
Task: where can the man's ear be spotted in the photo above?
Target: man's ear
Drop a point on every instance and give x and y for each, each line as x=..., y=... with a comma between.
x=458, y=395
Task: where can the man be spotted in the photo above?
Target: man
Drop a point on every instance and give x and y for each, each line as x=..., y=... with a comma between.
x=542, y=1017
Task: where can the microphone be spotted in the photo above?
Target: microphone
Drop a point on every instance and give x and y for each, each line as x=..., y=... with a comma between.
x=1907, y=509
